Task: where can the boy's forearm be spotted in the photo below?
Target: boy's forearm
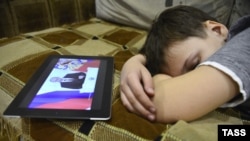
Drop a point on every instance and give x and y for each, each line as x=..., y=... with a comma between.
x=192, y=95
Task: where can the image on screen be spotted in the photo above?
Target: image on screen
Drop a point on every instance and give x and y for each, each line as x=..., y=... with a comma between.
x=70, y=85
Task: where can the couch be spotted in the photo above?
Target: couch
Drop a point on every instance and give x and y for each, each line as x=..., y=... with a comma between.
x=70, y=27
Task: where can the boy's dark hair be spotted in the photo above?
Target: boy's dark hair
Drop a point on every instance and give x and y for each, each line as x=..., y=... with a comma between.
x=174, y=24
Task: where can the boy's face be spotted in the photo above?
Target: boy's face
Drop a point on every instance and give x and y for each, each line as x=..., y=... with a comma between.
x=185, y=55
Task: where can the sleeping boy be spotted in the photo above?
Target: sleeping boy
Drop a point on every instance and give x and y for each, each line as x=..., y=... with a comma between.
x=189, y=65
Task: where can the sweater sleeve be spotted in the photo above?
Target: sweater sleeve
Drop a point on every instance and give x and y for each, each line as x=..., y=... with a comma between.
x=234, y=60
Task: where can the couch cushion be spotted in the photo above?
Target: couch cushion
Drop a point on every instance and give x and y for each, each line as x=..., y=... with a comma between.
x=23, y=54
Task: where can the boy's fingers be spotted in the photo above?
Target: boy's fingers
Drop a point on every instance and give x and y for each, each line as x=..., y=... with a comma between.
x=126, y=103
x=135, y=107
x=147, y=81
x=139, y=94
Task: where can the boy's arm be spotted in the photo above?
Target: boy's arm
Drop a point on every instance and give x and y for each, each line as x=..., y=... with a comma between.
x=137, y=87
x=192, y=95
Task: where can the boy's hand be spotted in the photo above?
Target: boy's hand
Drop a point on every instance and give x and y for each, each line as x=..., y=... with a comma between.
x=137, y=88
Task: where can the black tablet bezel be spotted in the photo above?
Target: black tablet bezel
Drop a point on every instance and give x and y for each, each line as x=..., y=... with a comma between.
x=102, y=93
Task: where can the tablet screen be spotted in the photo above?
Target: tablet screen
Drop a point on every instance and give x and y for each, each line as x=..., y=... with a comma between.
x=70, y=85
x=66, y=86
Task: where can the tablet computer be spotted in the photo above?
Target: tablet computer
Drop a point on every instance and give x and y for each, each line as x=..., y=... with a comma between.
x=67, y=87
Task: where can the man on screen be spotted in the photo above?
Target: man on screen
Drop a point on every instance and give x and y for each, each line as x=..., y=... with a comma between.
x=72, y=80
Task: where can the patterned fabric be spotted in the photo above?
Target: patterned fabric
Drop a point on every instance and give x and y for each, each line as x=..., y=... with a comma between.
x=32, y=15
x=20, y=56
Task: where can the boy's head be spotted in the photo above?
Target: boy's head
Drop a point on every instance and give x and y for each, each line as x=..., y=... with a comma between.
x=181, y=38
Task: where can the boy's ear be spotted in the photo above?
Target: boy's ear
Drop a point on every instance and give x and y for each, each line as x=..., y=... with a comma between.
x=218, y=28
